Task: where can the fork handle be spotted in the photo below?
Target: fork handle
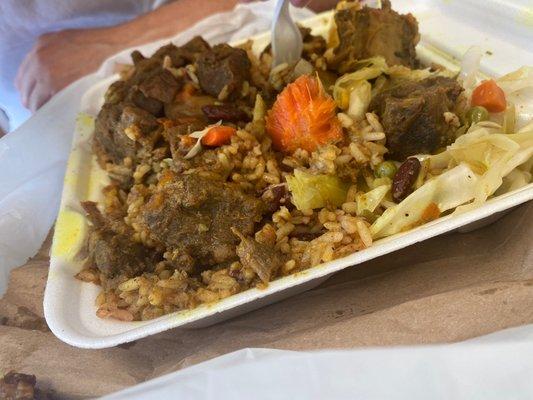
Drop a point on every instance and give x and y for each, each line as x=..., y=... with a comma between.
x=282, y=6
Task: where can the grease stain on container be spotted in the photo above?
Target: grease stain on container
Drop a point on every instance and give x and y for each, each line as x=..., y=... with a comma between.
x=70, y=231
x=84, y=125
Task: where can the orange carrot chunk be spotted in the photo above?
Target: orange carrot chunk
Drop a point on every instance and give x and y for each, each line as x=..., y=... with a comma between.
x=303, y=117
x=218, y=135
x=489, y=95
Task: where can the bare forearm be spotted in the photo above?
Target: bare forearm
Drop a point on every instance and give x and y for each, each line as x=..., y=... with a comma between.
x=169, y=20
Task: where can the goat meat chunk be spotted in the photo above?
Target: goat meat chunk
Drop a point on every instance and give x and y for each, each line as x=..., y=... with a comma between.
x=371, y=32
x=194, y=215
x=223, y=68
x=412, y=115
x=262, y=258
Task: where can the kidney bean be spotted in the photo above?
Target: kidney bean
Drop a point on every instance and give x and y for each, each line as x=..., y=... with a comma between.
x=274, y=196
x=402, y=183
x=303, y=233
x=224, y=112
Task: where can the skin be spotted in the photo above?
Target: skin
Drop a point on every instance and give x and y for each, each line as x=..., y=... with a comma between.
x=55, y=61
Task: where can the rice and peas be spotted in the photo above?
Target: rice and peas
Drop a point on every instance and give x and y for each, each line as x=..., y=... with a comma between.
x=339, y=220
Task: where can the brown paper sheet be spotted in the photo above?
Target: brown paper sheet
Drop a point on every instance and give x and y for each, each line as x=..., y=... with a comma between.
x=446, y=289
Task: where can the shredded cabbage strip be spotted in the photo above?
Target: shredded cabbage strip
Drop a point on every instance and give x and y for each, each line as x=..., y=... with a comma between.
x=479, y=161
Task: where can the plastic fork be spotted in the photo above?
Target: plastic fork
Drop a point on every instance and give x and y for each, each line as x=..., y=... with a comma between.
x=287, y=43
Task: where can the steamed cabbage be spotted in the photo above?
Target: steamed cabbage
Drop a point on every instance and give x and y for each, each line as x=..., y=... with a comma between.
x=359, y=99
x=316, y=191
x=477, y=164
x=352, y=92
x=372, y=199
x=518, y=88
x=446, y=191
x=470, y=68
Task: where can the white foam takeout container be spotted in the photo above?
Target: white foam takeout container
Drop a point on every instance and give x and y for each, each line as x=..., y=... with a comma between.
x=69, y=303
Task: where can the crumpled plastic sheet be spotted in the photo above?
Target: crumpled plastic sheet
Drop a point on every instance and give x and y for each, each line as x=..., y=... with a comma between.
x=32, y=165
x=33, y=157
x=496, y=366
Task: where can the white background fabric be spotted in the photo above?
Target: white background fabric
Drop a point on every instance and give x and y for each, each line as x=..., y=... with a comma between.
x=493, y=367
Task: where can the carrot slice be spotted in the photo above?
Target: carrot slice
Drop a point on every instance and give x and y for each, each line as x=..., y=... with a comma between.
x=489, y=95
x=218, y=135
x=303, y=116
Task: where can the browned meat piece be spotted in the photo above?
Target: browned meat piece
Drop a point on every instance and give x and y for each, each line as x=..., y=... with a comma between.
x=223, y=67
x=16, y=386
x=109, y=222
x=412, y=115
x=153, y=81
x=128, y=120
x=153, y=106
x=193, y=49
x=161, y=86
x=137, y=56
x=144, y=68
x=312, y=44
x=116, y=92
x=182, y=55
x=225, y=112
x=110, y=144
x=113, y=252
x=110, y=138
x=194, y=215
x=173, y=52
x=192, y=107
x=373, y=32
x=262, y=258
x=141, y=119
x=275, y=196
x=94, y=215
x=116, y=254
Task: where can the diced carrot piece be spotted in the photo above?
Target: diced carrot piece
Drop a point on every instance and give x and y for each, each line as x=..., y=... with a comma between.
x=489, y=95
x=430, y=213
x=218, y=135
x=303, y=117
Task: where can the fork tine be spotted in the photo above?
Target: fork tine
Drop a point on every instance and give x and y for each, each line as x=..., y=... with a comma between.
x=287, y=43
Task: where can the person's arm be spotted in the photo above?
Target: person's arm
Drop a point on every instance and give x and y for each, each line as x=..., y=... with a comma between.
x=315, y=5
x=60, y=58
